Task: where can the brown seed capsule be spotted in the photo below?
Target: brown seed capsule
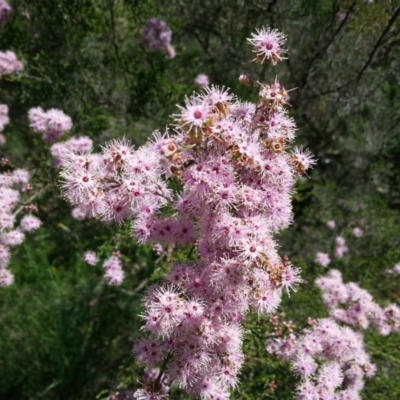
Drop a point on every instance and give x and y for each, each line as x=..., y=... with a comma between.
x=246, y=81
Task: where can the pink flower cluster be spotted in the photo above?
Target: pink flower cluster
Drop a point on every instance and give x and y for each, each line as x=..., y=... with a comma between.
x=330, y=360
x=340, y=247
x=350, y=304
x=9, y=64
x=76, y=144
x=51, y=124
x=10, y=235
x=154, y=388
x=116, y=185
x=158, y=249
x=114, y=274
x=5, y=12
x=156, y=36
x=235, y=174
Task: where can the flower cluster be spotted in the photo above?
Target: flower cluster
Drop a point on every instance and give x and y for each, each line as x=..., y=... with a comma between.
x=116, y=185
x=340, y=247
x=350, y=304
x=235, y=173
x=156, y=36
x=9, y=64
x=5, y=12
x=330, y=360
x=51, y=124
x=76, y=144
x=149, y=379
x=114, y=274
x=158, y=249
x=11, y=186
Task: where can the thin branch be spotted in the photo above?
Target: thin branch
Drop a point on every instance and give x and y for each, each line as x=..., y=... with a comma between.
x=378, y=43
x=328, y=44
x=30, y=199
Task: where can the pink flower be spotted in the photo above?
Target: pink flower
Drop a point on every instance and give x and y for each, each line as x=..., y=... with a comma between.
x=202, y=80
x=358, y=232
x=5, y=11
x=340, y=247
x=78, y=145
x=114, y=274
x=6, y=278
x=30, y=223
x=144, y=394
x=114, y=277
x=52, y=123
x=396, y=268
x=156, y=36
x=331, y=224
x=304, y=365
x=12, y=238
x=268, y=45
x=9, y=64
x=322, y=259
x=340, y=251
x=20, y=176
x=302, y=159
x=158, y=249
x=90, y=258
x=78, y=213
x=194, y=114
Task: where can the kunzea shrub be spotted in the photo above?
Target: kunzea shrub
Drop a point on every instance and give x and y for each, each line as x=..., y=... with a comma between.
x=220, y=182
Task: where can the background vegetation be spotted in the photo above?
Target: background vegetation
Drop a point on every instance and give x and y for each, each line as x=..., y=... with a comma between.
x=63, y=333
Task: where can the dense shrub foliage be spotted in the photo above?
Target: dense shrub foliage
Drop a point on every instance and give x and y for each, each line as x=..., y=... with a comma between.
x=105, y=227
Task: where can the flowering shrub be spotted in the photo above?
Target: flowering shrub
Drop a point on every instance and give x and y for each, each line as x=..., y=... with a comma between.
x=5, y=11
x=359, y=309
x=156, y=36
x=234, y=172
x=51, y=124
x=13, y=185
x=330, y=360
x=216, y=187
x=9, y=63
